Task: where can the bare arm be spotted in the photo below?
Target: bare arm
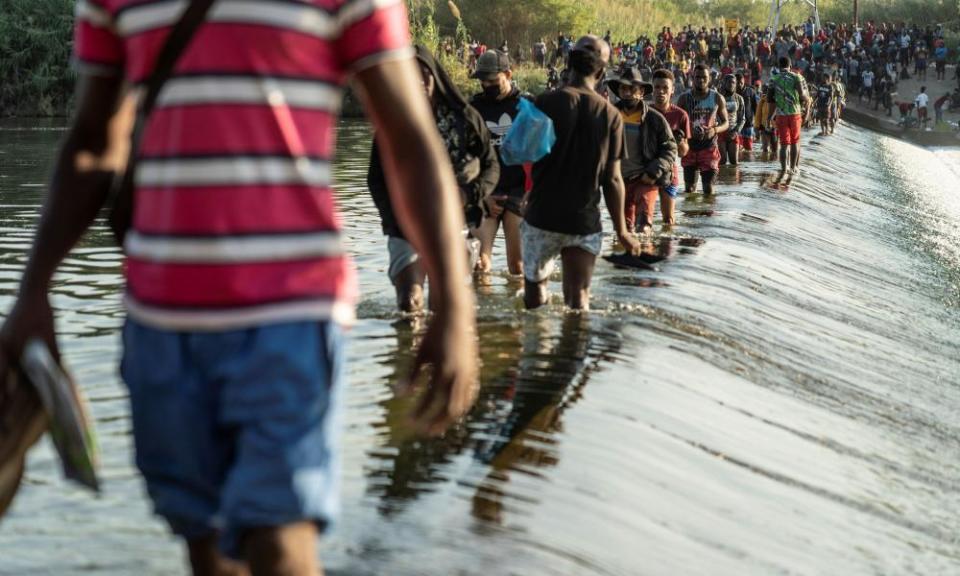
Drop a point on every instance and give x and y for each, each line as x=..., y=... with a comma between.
x=424, y=195
x=723, y=119
x=94, y=149
x=614, y=193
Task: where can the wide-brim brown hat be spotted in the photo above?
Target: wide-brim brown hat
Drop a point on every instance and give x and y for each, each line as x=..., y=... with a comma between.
x=632, y=77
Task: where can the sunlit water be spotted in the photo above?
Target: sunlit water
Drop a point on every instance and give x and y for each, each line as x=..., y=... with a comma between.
x=778, y=394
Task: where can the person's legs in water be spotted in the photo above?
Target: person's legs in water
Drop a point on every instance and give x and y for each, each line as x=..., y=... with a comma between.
x=578, y=265
x=667, y=207
x=540, y=249
x=783, y=159
x=690, y=174
x=794, y=157
x=708, y=177
x=406, y=274
x=246, y=456
x=409, y=286
x=487, y=234
x=288, y=550
x=648, y=200
x=534, y=293
x=511, y=235
x=631, y=201
x=733, y=149
x=206, y=559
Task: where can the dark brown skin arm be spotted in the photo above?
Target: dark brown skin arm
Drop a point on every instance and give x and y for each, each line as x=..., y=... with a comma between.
x=424, y=194
x=614, y=193
x=723, y=120
x=94, y=148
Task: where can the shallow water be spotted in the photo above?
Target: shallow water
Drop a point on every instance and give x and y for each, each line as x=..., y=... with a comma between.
x=778, y=394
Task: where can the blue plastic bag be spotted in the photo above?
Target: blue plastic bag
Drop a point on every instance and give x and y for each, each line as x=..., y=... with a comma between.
x=531, y=137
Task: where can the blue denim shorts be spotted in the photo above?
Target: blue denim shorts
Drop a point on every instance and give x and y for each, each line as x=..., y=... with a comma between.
x=237, y=429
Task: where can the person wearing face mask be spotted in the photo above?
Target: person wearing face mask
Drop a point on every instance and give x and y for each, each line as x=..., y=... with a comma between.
x=498, y=104
x=651, y=149
x=563, y=214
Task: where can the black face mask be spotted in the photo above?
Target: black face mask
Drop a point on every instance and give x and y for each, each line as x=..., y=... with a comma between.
x=492, y=91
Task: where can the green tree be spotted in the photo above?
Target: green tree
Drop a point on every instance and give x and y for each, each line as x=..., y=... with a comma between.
x=35, y=46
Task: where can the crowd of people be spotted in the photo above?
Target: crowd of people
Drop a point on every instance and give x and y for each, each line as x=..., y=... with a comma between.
x=237, y=280
x=868, y=60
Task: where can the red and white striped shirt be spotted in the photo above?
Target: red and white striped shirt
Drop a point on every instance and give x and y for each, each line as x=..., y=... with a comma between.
x=234, y=220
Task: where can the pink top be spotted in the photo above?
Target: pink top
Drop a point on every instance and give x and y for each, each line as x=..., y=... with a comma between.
x=235, y=223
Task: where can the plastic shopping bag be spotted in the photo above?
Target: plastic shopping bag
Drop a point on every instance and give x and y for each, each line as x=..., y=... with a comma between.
x=531, y=137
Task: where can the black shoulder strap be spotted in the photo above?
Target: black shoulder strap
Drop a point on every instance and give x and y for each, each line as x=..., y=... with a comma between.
x=177, y=41
x=120, y=215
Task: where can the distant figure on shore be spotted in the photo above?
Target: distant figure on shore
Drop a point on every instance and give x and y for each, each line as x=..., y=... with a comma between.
x=921, y=102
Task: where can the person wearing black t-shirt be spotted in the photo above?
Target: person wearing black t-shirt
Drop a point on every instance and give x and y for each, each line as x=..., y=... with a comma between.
x=563, y=213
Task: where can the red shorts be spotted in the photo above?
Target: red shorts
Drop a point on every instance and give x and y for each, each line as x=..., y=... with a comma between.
x=788, y=127
x=746, y=142
x=922, y=113
x=704, y=160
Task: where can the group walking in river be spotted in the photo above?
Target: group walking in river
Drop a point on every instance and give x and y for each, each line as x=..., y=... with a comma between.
x=238, y=283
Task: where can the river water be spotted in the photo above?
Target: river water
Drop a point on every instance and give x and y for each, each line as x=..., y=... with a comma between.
x=778, y=394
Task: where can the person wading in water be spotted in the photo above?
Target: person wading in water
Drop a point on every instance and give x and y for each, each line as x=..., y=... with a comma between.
x=708, y=115
x=563, y=215
x=791, y=100
x=663, y=89
x=729, y=141
x=651, y=149
x=498, y=104
x=475, y=164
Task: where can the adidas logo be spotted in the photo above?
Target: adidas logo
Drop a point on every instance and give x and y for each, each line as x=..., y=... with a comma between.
x=500, y=128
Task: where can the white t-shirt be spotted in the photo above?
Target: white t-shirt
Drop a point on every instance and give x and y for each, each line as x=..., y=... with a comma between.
x=922, y=100
x=868, y=79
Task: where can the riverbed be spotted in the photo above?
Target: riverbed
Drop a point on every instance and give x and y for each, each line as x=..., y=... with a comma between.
x=778, y=394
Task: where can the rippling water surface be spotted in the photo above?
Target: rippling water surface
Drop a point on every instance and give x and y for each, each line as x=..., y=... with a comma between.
x=778, y=394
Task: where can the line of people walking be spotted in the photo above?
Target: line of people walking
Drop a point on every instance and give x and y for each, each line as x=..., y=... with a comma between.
x=629, y=154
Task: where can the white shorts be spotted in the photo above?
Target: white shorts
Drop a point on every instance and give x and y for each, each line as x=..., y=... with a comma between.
x=403, y=254
x=541, y=248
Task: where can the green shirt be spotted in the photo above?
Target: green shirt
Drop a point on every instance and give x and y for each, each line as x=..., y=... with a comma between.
x=788, y=91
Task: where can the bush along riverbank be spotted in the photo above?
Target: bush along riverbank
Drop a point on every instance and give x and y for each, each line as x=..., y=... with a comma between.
x=36, y=35
x=35, y=45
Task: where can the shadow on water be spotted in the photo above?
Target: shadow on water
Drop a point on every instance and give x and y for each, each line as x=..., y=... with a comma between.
x=534, y=370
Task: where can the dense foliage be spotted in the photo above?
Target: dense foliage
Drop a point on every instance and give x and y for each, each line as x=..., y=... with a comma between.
x=35, y=45
x=35, y=35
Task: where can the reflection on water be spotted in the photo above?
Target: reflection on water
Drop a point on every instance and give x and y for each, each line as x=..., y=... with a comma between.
x=771, y=387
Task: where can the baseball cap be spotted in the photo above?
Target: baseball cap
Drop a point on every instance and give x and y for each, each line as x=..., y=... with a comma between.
x=491, y=63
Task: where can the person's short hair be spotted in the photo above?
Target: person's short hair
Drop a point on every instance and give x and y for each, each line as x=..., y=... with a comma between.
x=664, y=74
x=784, y=62
x=702, y=67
